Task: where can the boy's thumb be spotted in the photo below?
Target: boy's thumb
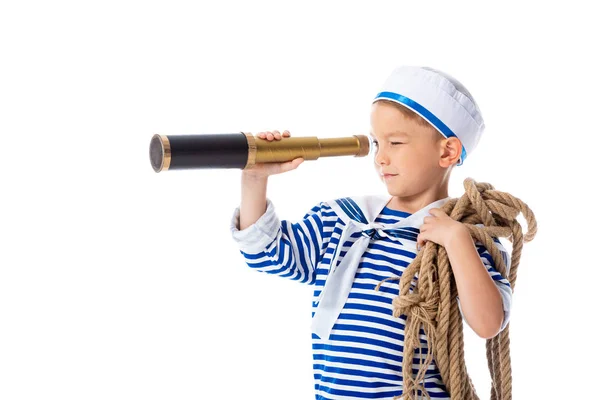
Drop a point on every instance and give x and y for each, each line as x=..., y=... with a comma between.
x=292, y=164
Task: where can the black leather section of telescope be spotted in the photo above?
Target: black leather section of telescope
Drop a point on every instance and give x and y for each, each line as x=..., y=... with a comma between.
x=229, y=150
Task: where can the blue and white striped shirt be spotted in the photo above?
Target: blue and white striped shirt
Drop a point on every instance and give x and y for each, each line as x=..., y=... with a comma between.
x=363, y=357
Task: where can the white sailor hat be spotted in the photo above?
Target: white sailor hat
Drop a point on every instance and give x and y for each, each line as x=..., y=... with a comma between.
x=440, y=99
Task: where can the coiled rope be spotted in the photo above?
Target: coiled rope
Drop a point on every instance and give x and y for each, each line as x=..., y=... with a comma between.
x=431, y=303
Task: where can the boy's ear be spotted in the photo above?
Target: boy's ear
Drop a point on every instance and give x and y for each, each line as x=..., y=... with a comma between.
x=450, y=150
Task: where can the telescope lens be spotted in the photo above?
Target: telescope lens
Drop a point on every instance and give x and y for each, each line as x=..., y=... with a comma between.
x=156, y=153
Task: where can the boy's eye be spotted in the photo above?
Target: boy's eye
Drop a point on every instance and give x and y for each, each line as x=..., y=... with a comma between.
x=377, y=144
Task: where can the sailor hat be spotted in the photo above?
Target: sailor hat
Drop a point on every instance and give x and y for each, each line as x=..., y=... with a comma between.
x=440, y=99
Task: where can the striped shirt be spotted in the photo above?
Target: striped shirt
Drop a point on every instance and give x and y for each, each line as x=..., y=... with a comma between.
x=363, y=357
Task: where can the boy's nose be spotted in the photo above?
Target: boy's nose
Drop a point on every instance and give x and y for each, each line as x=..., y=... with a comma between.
x=381, y=158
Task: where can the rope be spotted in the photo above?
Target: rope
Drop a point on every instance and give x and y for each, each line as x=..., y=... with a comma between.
x=430, y=302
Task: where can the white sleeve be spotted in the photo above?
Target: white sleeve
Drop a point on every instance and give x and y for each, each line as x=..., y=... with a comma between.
x=288, y=249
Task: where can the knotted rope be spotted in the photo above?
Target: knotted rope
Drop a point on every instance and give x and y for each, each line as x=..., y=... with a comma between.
x=430, y=301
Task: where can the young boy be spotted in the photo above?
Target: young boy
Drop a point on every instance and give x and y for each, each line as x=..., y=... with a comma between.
x=423, y=123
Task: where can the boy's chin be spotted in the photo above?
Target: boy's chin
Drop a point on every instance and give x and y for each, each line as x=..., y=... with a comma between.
x=394, y=190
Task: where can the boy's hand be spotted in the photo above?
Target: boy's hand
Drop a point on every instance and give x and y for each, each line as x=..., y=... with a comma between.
x=262, y=170
x=438, y=228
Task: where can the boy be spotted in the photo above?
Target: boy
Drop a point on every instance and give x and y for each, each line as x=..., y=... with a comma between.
x=423, y=123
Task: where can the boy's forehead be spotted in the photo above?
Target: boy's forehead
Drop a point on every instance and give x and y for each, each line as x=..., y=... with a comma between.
x=392, y=132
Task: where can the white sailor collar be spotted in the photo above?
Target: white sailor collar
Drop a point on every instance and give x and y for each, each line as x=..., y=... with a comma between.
x=359, y=214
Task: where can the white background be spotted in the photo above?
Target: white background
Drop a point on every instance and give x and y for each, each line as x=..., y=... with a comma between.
x=120, y=283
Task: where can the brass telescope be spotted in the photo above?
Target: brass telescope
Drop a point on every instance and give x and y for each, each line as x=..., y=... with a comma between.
x=243, y=150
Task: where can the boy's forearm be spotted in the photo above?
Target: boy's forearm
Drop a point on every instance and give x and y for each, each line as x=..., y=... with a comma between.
x=254, y=199
x=480, y=299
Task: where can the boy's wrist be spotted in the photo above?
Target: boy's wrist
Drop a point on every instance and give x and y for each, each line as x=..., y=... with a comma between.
x=459, y=233
x=250, y=176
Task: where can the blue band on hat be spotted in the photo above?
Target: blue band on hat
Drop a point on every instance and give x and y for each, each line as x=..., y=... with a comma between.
x=426, y=114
